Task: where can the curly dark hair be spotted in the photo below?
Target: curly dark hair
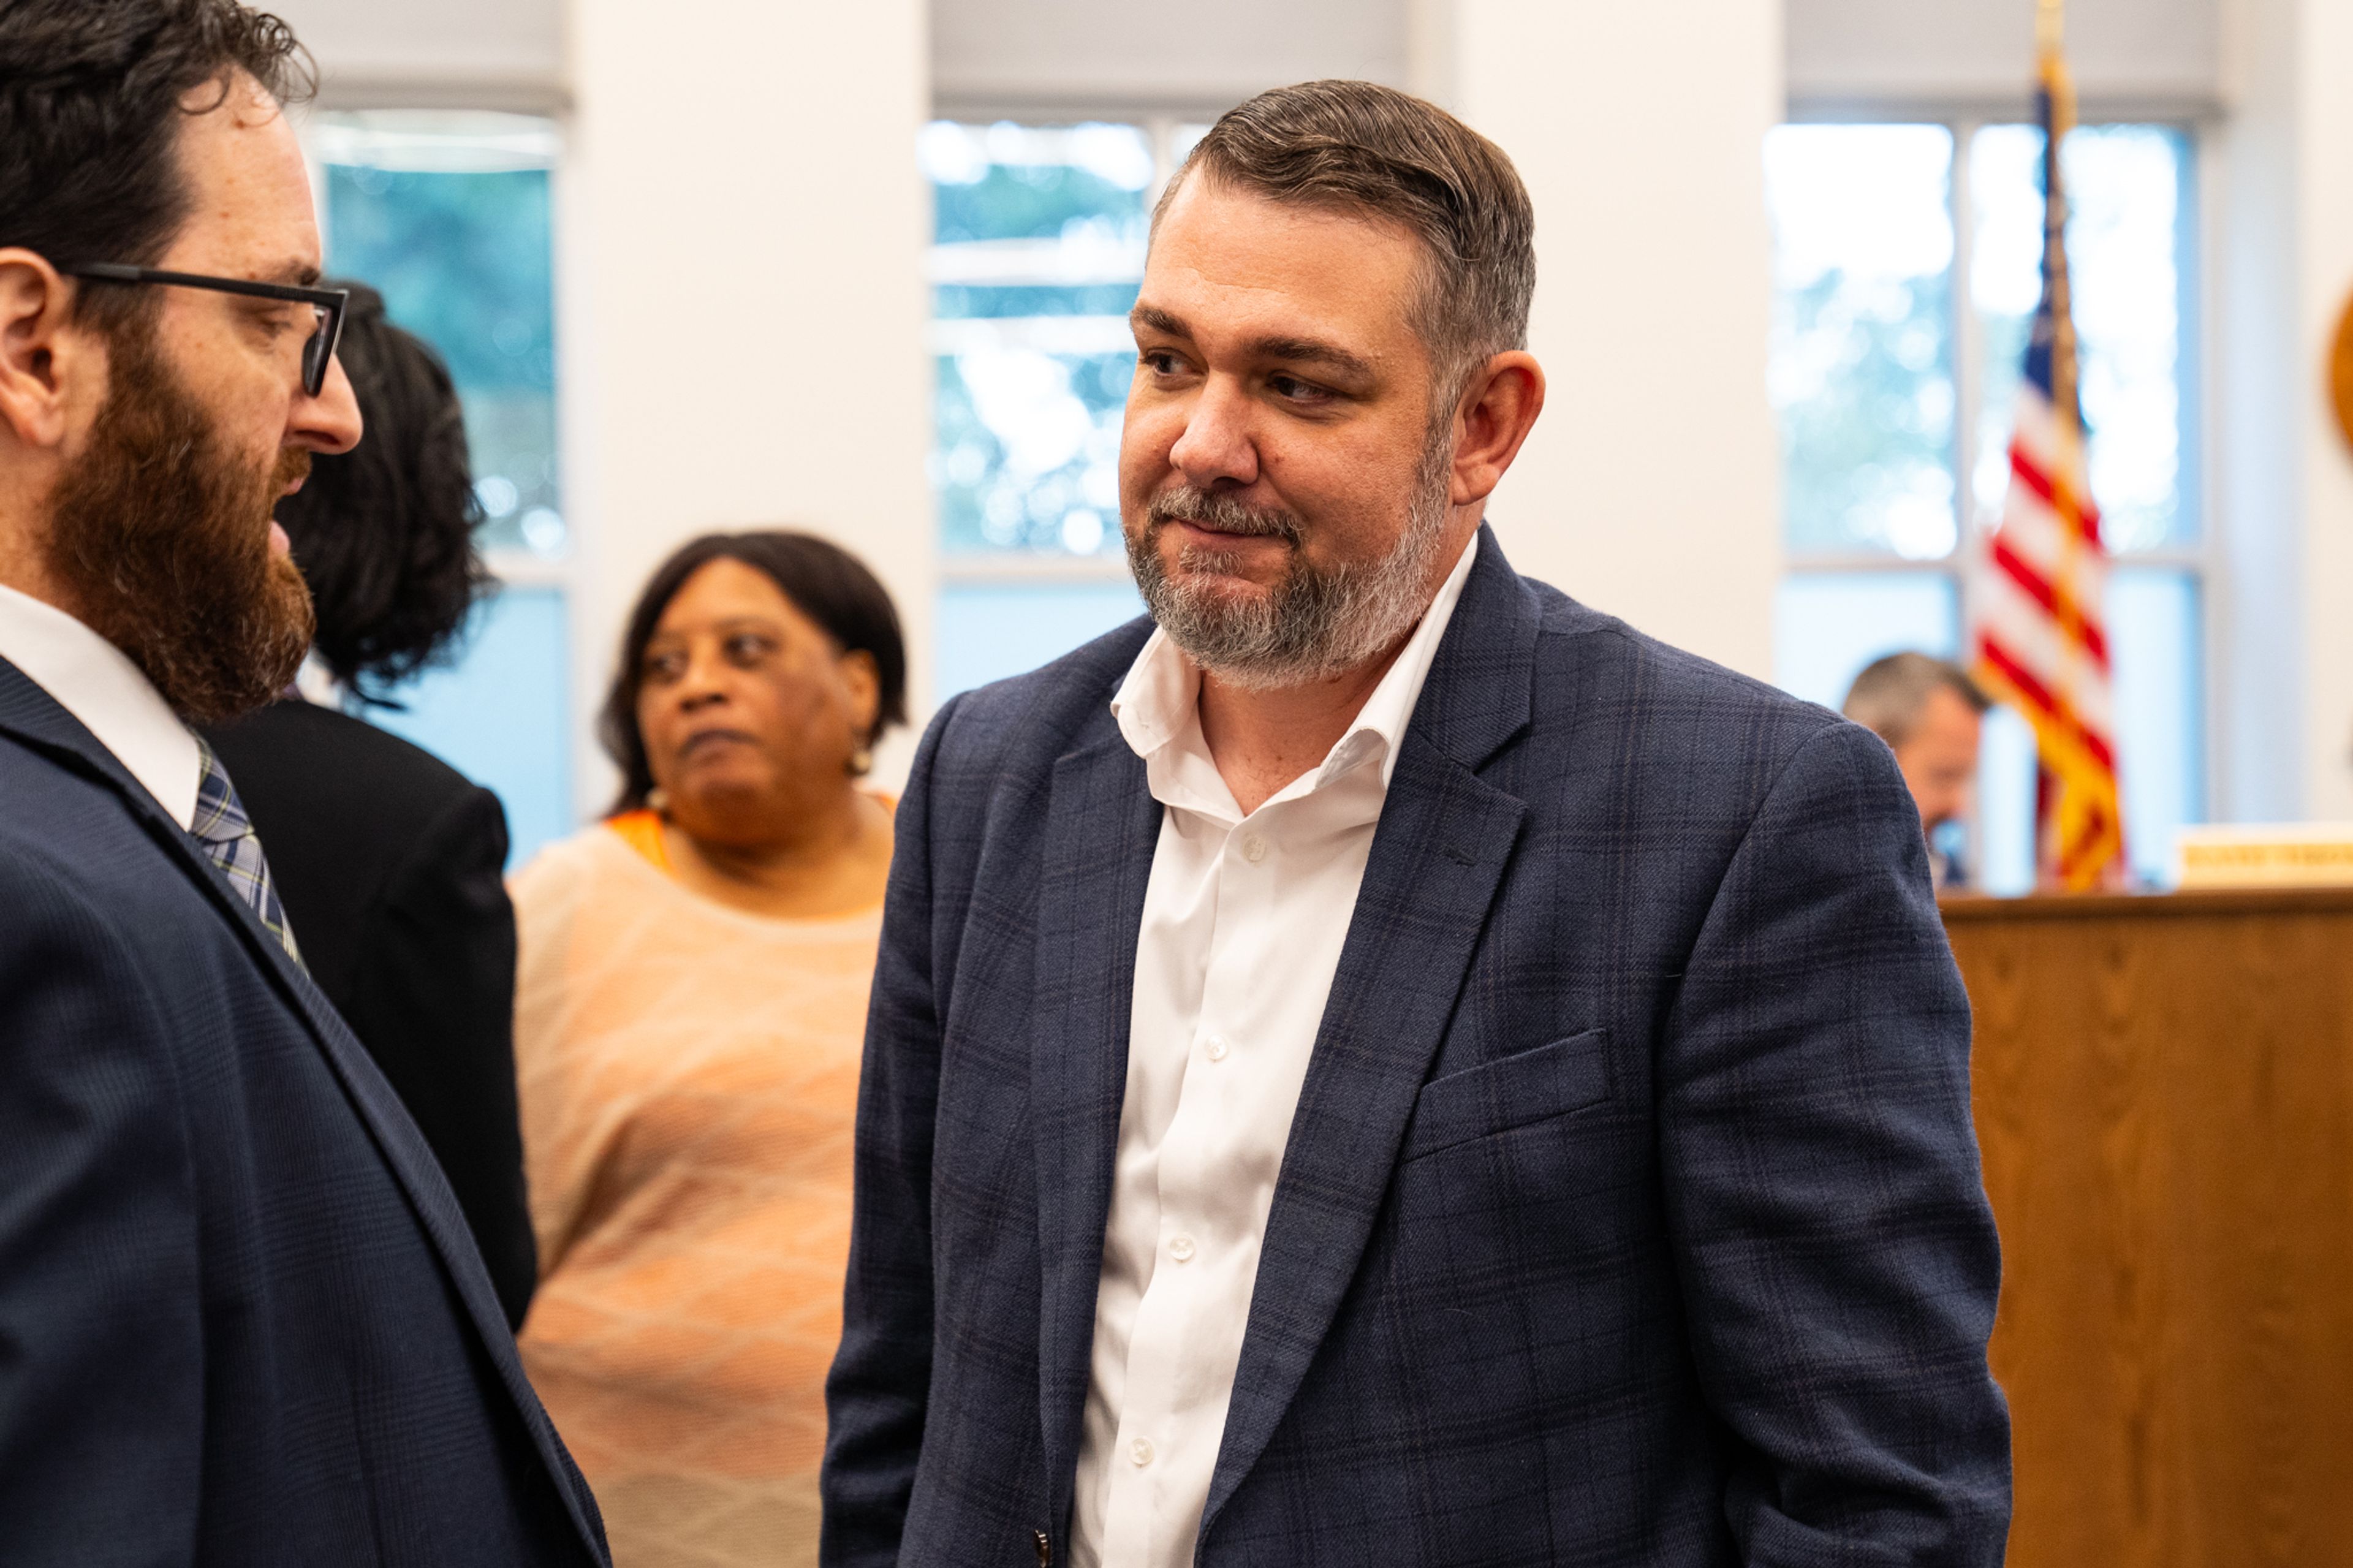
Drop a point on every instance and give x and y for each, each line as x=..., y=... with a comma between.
x=90, y=99
x=824, y=582
x=384, y=533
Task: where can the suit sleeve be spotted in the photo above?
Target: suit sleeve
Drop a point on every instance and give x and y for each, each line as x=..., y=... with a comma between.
x=881, y=1383
x=1823, y=1189
x=433, y=999
x=101, y=1349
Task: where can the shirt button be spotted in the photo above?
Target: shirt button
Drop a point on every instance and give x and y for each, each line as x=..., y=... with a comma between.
x=1140, y=1450
x=1216, y=1048
x=1181, y=1249
x=1253, y=849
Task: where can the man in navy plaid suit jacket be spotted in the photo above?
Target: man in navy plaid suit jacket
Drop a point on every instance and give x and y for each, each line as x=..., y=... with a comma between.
x=1388, y=1064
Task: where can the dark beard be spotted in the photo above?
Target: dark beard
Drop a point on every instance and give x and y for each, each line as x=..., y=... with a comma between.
x=1316, y=622
x=159, y=538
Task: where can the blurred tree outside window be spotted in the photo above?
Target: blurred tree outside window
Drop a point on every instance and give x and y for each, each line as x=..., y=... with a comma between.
x=449, y=216
x=1037, y=255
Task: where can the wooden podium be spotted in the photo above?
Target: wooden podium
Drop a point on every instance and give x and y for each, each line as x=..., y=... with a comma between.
x=2164, y=1091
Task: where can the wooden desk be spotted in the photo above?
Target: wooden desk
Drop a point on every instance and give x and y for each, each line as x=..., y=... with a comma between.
x=2164, y=1091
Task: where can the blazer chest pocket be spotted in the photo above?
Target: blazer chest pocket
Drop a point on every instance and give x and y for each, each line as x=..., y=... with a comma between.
x=1536, y=1085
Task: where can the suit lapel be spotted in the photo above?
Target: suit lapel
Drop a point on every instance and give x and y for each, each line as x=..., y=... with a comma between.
x=33, y=716
x=1102, y=827
x=1438, y=857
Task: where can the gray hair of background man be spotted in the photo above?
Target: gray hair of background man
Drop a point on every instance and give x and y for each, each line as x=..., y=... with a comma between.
x=1362, y=149
x=1887, y=696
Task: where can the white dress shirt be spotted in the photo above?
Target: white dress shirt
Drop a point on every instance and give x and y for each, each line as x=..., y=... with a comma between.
x=91, y=679
x=1243, y=920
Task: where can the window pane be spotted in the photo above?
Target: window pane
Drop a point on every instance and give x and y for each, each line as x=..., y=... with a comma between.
x=1039, y=236
x=2005, y=858
x=1828, y=625
x=1026, y=452
x=2125, y=263
x=1862, y=369
x=989, y=631
x=500, y=714
x=2154, y=635
x=446, y=216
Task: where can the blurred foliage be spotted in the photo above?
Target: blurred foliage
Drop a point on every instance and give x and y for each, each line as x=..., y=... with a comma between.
x=999, y=487
x=957, y=301
x=1034, y=201
x=464, y=260
x=1867, y=449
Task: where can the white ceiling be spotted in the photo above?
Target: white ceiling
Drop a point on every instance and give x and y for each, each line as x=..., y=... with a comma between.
x=992, y=56
x=2160, y=52
x=1204, y=54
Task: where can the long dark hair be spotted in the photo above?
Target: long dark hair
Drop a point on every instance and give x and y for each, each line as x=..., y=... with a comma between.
x=384, y=533
x=824, y=582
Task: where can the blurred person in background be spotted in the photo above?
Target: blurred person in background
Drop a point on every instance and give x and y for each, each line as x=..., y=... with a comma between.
x=689, y=1023
x=1930, y=714
x=241, y=1323
x=390, y=862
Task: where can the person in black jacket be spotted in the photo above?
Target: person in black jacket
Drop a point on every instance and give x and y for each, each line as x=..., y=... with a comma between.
x=388, y=859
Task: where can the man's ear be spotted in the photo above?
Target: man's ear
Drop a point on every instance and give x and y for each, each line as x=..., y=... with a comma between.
x=44, y=359
x=1499, y=407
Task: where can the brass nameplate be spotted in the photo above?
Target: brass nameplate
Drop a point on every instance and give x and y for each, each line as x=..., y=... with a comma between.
x=2270, y=854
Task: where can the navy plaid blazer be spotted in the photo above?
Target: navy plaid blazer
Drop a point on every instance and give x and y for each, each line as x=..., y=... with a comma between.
x=1631, y=1213
x=242, y=1319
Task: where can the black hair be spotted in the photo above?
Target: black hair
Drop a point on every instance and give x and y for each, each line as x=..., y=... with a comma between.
x=823, y=581
x=384, y=533
x=90, y=101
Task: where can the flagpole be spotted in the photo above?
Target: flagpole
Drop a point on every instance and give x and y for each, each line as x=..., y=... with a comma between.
x=2050, y=25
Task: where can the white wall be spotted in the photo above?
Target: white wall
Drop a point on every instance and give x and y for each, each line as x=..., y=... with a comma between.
x=741, y=232
x=2283, y=181
x=1651, y=486
x=2323, y=58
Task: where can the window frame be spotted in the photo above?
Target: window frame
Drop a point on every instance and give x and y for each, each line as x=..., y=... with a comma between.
x=2201, y=562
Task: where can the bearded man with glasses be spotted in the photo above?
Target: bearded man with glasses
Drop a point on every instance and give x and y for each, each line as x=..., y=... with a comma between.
x=242, y=1321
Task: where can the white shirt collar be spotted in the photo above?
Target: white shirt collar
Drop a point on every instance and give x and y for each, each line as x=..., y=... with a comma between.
x=91, y=679
x=1159, y=711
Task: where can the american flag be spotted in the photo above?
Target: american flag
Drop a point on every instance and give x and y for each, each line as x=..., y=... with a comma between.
x=2039, y=641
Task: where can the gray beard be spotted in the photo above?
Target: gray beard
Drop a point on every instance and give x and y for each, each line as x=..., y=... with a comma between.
x=1317, y=622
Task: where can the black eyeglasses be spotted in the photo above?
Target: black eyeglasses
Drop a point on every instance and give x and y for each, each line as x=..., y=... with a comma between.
x=317, y=353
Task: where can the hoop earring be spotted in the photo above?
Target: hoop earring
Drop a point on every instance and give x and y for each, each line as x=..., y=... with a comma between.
x=657, y=800
x=861, y=761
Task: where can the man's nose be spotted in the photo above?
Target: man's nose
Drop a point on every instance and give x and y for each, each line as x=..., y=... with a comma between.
x=1217, y=446
x=330, y=421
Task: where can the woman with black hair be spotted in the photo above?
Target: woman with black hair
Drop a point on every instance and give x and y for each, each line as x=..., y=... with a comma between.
x=386, y=860
x=689, y=1022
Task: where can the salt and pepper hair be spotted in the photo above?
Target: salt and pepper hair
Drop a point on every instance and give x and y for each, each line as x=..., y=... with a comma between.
x=1358, y=148
x=1888, y=697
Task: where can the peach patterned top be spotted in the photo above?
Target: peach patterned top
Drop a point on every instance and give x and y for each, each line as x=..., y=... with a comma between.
x=688, y=1078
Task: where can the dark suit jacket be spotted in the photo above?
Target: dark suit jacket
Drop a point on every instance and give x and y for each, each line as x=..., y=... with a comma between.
x=390, y=864
x=241, y=1323
x=1631, y=1212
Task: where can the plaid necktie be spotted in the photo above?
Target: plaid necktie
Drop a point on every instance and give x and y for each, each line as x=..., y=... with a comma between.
x=226, y=835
